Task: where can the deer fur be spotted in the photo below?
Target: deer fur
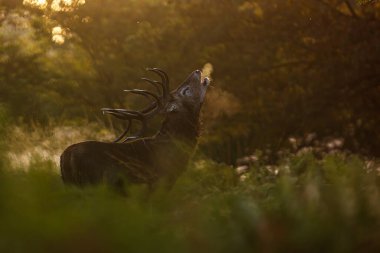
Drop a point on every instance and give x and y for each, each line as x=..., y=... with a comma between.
x=147, y=160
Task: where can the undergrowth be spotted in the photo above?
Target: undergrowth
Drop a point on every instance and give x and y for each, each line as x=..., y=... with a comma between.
x=308, y=205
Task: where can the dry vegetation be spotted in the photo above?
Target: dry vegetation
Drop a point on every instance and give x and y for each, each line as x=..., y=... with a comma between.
x=46, y=143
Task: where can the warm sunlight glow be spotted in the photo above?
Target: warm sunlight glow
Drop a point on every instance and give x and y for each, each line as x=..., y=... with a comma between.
x=41, y=4
x=56, y=5
x=57, y=30
x=58, y=35
x=59, y=39
x=66, y=5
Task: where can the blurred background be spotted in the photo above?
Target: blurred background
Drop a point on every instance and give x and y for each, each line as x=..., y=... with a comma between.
x=281, y=70
x=288, y=158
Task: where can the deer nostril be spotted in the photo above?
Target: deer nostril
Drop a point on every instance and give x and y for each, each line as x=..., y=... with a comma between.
x=206, y=81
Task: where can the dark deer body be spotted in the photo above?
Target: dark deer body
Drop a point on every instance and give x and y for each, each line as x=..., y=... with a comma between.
x=143, y=159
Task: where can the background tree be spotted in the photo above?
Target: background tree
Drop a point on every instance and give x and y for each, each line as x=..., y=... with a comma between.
x=281, y=68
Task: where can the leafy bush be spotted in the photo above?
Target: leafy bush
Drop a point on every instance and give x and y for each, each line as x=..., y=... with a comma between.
x=307, y=205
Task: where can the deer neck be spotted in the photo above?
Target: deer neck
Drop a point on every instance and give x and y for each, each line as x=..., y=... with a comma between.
x=182, y=128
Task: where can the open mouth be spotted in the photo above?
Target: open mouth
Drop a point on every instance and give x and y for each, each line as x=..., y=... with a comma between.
x=205, y=81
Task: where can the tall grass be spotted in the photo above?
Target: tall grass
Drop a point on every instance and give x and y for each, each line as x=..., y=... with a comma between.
x=303, y=204
x=308, y=205
x=29, y=142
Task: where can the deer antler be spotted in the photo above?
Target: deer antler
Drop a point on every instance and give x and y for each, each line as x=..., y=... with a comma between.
x=158, y=103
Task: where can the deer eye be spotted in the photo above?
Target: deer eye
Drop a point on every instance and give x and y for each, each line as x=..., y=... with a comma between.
x=186, y=92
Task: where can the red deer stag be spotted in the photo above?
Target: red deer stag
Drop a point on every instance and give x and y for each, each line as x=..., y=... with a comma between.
x=139, y=159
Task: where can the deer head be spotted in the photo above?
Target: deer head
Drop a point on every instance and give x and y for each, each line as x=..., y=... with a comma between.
x=189, y=96
x=181, y=107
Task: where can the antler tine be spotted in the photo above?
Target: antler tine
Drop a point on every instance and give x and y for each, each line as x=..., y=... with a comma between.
x=140, y=117
x=165, y=81
x=119, y=115
x=164, y=73
x=128, y=115
x=146, y=93
x=154, y=107
x=125, y=131
x=159, y=102
x=114, y=110
x=131, y=138
x=156, y=84
x=149, y=109
x=161, y=91
x=125, y=114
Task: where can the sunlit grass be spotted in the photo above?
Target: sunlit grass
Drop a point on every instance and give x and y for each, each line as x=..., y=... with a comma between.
x=26, y=143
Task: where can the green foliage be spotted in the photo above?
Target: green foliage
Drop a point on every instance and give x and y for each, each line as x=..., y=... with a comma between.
x=287, y=67
x=310, y=206
x=282, y=68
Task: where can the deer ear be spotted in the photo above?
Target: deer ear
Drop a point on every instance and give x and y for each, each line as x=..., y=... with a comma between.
x=172, y=108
